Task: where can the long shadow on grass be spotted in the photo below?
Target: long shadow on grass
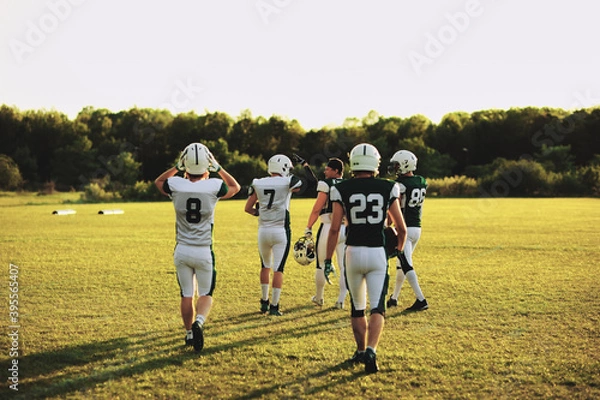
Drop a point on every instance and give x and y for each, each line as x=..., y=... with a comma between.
x=256, y=315
x=301, y=380
x=76, y=369
x=79, y=368
x=327, y=321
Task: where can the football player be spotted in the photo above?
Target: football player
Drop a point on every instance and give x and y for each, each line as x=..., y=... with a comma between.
x=322, y=208
x=364, y=201
x=194, y=198
x=269, y=200
x=412, y=194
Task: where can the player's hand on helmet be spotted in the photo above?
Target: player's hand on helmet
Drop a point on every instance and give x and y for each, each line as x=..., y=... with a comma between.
x=308, y=233
x=181, y=162
x=297, y=159
x=328, y=270
x=213, y=165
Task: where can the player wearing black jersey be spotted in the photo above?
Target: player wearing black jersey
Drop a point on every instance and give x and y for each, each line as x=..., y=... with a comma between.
x=412, y=194
x=365, y=201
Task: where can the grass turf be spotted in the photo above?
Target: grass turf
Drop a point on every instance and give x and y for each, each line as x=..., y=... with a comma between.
x=512, y=285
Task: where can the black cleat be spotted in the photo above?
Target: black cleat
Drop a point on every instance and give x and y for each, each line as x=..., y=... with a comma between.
x=371, y=362
x=198, y=336
x=264, y=306
x=419, y=305
x=274, y=310
x=392, y=303
x=357, y=358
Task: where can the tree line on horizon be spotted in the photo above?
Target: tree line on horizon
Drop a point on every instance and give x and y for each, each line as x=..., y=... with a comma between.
x=116, y=155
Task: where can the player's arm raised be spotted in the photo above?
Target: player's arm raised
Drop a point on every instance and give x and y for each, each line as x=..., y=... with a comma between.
x=232, y=184
x=162, y=178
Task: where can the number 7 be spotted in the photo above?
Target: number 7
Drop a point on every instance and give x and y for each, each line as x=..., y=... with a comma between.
x=271, y=194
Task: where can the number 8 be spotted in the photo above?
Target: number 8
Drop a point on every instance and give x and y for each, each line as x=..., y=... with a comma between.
x=193, y=207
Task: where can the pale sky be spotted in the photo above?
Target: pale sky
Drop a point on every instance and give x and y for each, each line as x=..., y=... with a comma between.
x=316, y=61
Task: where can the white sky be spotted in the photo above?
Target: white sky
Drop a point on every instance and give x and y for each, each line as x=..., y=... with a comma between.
x=317, y=61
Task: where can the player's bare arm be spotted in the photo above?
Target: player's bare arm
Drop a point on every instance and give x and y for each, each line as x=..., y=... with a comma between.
x=160, y=181
x=396, y=215
x=336, y=222
x=250, y=203
x=232, y=184
x=317, y=207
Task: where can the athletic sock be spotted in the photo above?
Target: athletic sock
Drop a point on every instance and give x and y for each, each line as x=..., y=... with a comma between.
x=264, y=287
x=200, y=319
x=276, y=296
x=320, y=283
x=399, y=282
x=342, y=295
x=412, y=279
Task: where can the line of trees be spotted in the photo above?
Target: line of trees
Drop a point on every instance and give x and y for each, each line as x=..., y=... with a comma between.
x=108, y=155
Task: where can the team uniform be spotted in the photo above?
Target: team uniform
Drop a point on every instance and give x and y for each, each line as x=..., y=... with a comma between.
x=412, y=191
x=194, y=199
x=323, y=232
x=274, y=194
x=366, y=202
x=194, y=204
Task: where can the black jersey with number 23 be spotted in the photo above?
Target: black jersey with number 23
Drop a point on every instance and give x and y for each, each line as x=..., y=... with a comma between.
x=366, y=202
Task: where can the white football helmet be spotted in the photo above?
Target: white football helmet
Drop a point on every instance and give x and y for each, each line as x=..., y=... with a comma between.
x=304, y=251
x=195, y=159
x=364, y=157
x=403, y=161
x=280, y=164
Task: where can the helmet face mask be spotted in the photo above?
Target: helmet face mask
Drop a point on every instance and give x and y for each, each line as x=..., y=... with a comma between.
x=195, y=159
x=280, y=164
x=393, y=167
x=403, y=162
x=304, y=251
x=364, y=157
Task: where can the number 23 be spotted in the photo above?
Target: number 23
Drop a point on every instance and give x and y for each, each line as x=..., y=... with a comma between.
x=367, y=209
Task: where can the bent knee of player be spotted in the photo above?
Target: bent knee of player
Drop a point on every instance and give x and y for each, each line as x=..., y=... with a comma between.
x=378, y=310
x=357, y=313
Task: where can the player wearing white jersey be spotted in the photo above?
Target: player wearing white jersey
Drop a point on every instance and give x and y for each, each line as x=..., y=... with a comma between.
x=269, y=200
x=365, y=201
x=322, y=209
x=194, y=199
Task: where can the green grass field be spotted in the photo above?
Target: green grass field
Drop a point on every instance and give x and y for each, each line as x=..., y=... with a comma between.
x=512, y=284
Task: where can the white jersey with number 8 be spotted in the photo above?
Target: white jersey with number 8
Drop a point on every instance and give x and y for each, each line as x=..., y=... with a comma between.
x=194, y=204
